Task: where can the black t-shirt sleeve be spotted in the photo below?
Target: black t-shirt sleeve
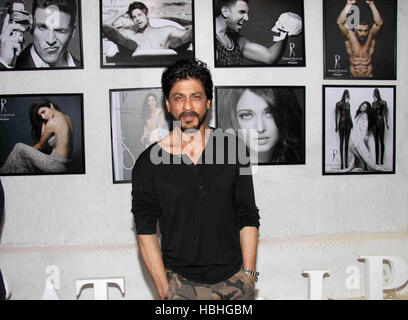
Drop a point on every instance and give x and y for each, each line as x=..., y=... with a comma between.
x=145, y=205
x=247, y=211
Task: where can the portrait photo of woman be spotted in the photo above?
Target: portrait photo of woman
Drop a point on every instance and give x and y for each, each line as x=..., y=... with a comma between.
x=275, y=115
x=50, y=138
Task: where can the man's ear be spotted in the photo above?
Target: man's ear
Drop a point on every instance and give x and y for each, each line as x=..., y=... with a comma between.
x=74, y=26
x=167, y=104
x=225, y=12
x=208, y=104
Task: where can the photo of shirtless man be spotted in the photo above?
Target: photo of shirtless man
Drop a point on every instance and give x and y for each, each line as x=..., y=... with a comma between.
x=360, y=41
x=135, y=34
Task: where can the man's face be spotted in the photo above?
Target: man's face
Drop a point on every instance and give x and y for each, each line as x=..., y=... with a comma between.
x=188, y=103
x=52, y=34
x=362, y=33
x=139, y=18
x=237, y=15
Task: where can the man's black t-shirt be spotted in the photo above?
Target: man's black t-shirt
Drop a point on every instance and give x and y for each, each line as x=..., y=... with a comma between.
x=201, y=208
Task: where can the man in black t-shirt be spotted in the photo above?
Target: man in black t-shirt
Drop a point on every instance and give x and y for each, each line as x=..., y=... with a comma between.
x=203, y=199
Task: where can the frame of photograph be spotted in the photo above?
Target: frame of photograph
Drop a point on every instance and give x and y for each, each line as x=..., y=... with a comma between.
x=15, y=128
x=361, y=157
x=283, y=131
x=336, y=61
x=259, y=31
x=25, y=60
x=161, y=13
x=131, y=134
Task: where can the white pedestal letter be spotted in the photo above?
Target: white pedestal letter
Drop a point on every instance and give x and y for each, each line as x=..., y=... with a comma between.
x=52, y=283
x=315, y=283
x=100, y=286
x=374, y=276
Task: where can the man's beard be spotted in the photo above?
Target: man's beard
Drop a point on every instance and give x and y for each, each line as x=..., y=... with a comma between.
x=189, y=125
x=362, y=40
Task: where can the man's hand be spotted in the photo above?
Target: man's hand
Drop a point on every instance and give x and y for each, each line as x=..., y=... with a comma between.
x=370, y=2
x=162, y=291
x=11, y=42
x=351, y=1
x=250, y=276
x=152, y=258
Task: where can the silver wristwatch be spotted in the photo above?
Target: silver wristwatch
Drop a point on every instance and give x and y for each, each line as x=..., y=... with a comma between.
x=253, y=273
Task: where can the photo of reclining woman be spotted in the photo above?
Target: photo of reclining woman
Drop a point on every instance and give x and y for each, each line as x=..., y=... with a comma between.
x=41, y=135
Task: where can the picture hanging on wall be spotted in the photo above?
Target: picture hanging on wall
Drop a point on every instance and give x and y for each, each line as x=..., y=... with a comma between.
x=38, y=35
x=138, y=118
x=151, y=33
x=41, y=134
x=259, y=33
x=360, y=39
x=271, y=119
x=358, y=129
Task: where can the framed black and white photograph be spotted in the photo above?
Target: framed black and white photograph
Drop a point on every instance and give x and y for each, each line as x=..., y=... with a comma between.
x=38, y=35
x=270, y=118
x=148, y=33
x=42, y=134
x=138, y=118
x=259, y=33
x=358, y=129
x=360, y=39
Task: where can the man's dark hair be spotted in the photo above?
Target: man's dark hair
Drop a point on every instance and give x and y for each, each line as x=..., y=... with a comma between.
x=364, y=22
x=224, y=3
x=184, y=70
x=36, y=120
x=137, y=5
x=67, y=6
x=366, y=16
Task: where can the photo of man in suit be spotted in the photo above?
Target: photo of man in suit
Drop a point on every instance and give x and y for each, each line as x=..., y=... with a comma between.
x=52, y=26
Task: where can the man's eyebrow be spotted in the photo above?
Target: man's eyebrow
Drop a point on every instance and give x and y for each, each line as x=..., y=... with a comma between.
x=184, y=94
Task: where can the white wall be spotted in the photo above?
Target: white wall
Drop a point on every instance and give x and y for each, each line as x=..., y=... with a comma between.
x=83, y=223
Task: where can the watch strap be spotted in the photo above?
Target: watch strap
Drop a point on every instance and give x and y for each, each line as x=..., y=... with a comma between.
x=253, y=273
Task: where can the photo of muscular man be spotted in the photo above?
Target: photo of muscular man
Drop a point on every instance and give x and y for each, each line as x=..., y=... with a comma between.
x=145, y=33
x=258, y=33
x=359, y=39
